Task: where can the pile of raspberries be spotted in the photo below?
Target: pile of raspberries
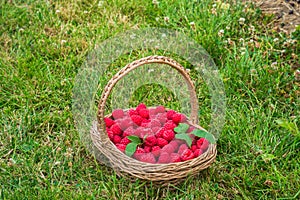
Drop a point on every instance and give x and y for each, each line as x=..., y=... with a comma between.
x=155, y=128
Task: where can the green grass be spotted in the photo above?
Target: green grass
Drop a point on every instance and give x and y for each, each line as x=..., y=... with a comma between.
x=43, y=45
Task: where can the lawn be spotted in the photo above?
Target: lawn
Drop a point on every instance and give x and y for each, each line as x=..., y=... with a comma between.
x=43, y=47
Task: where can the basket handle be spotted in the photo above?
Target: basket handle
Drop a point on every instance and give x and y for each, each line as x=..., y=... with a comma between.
x=131, y=66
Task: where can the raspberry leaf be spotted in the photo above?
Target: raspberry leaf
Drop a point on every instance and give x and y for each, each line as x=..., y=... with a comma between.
x=181, y=128
x=204, y=134
x=134, y=139
x=185, y=137
x=131, y=148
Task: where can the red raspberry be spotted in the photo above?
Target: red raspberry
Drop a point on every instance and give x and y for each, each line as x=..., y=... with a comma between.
x=202, y=143
x=147, y=149
x=125, y=141
x=170, y=114
x=138, y=152
x=179, y=142
x=121, y=147
x=155, y=129
x=147, y=121
x=132, y=112
x=143, y=132
x=137, y=119
x=182, y=148
x=175, y=145
x=117, y=139
x=164, y=158
x=187, y=155
x=194, y=147
x=160, y=132
x=198, y=152
x=155, y=123
x=168, y=135
x=110, y=135
x=156, y=151
x=160, y=109
x=170, y=125
x=162, y=118
x=144, y=113
x=129, y=131
x=108, y=122
x=147, y=157
x=116, y=129
x=175, y=157
x=178, y=118
x=152, y=112
x=125, y=123
x=168, y=148
x=151, y=141
x=141, y=106
x=161, y=142
x=191, y=128
x=118, y=114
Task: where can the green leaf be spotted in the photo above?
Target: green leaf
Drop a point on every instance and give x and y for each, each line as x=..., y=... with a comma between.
x=181, y=128
x=131, y=148
x=185, y=137
x=204, y=134
x=134, y=139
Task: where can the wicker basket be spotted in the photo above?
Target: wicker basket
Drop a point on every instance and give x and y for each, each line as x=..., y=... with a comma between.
x=132, y=168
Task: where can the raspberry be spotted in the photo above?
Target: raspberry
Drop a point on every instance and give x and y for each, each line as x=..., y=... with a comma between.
x=162, y=118
x=198, y=152
x=168, y=135
x=116, y=129
x=132, y=112
x=204, y=145
x=143, y=132
x=177, y=118
x=144, y=113
x=146, y=120
x=136, y=119
x=175, y=157
x=108, y=122
x=161, y=142
x=121, y=147
x=194, y=148
x=164, y=158
x=187, y=155
x=117, y=139
x=170, y=125
x=168, y=148
x=129, y=131
x=160, y=132
x=110, y=135
x=182, y=148
x=151, y=141
x=125, y=123
x=160, y=109
x=138, y=152
x=202, y=142
x=147, y=157
x=125, y=141
x=155, y=123
x=152, y=112
x=175, y=145
x=147, y=149
x=179, y=142
x=118, y=114
x=170, y=114
x=155, y=129
x=191, y=128
x=141, y=106
x=156, y=151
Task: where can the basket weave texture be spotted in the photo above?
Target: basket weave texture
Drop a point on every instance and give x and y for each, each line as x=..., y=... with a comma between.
x=131, y=168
